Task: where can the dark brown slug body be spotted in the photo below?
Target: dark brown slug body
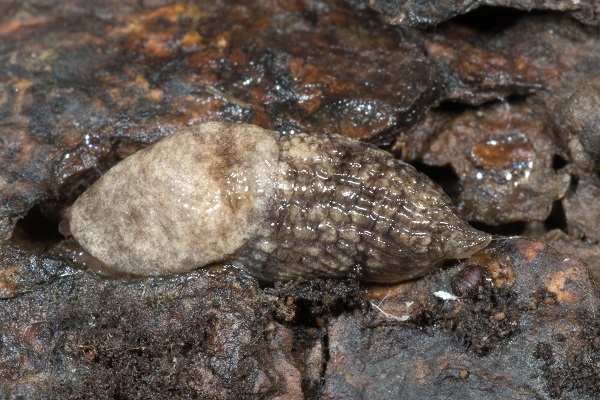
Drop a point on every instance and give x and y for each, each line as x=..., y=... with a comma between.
x=278, y=207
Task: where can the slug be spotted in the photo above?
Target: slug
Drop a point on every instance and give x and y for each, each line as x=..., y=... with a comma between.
x=279, y=207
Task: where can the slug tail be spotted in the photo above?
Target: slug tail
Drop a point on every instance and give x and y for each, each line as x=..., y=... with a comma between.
x=473, y=241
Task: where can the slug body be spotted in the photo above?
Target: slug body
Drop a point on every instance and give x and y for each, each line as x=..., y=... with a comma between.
x=278, y=207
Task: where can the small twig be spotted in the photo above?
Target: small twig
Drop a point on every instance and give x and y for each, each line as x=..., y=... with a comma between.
x=229, y=97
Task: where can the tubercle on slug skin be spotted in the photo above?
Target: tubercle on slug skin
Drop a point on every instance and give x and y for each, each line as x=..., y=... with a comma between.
x=278, y=207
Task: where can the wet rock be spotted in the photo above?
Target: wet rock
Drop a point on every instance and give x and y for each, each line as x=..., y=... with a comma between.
x=200, y=335
x=482, y=67
x=582, y=209
x=588, y=251
x=431, y=13
x=503, y=156
x=580, y=123
x=582, y=212
x=530, y=324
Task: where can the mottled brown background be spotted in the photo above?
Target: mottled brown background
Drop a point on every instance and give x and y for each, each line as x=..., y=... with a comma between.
x=499, y=104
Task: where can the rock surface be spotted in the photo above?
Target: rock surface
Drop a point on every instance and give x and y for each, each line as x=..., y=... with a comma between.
x=496, y=104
